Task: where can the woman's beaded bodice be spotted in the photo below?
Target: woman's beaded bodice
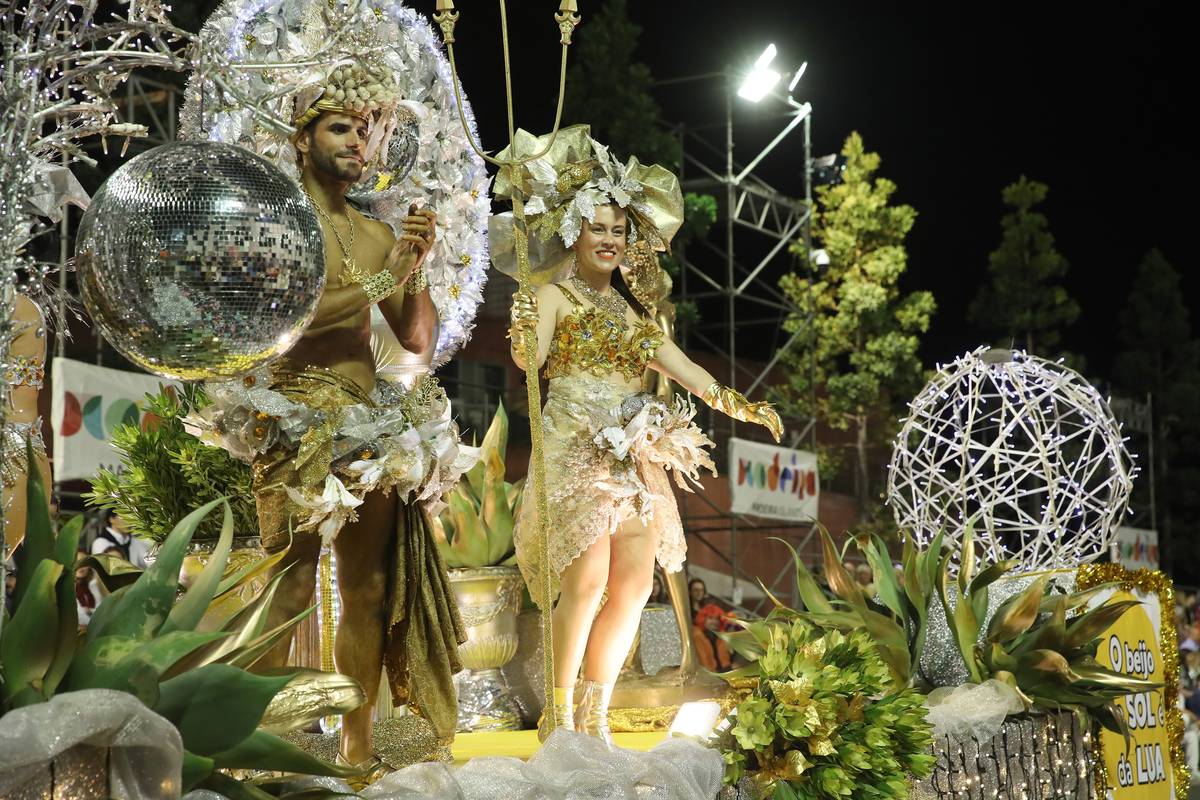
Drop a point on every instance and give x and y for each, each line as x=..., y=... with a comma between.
x=591, y=341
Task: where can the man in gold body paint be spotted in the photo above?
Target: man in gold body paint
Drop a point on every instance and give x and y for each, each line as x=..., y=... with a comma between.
x=396, y=606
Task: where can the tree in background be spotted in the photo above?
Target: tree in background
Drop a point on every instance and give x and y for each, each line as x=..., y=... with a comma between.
x=1025, y=303
x=855, y=363
x=1159, y=355
x=610, y=91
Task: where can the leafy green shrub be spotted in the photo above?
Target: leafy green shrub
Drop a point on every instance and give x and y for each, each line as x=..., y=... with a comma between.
x=166, y=472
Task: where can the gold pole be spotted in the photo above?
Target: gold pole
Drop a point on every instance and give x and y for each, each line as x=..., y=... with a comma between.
x=566, y=18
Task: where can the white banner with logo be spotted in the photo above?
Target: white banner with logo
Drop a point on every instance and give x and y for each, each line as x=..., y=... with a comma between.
x=1135, y=548
x=87, y=405
x=770, y=481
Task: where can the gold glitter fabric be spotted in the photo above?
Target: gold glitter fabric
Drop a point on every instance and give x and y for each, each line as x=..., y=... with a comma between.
x=1150, y=582
x=424, y=626
x=302, y=469
x=608, y=450
x=319, y=443
x=16, y=434
x=591, y=341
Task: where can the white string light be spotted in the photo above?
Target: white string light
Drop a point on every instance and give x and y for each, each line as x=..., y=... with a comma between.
x=1023, y=449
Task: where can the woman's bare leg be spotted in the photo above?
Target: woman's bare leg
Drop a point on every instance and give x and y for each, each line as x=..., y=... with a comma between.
x=583, y=584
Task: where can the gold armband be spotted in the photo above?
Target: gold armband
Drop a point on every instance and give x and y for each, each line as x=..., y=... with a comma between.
x=417, y=282
x=379, y=286
x=734, y=404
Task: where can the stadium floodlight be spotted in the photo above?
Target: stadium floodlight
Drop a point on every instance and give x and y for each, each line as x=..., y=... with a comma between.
x=761, y=78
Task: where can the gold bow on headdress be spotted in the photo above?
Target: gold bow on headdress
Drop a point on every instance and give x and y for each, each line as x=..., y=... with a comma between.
x=565, y=186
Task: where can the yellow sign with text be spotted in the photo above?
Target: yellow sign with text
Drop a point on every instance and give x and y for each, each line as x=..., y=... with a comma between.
x=1131, y=647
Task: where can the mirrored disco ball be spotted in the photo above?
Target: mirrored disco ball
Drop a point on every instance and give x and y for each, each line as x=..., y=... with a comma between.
x=398, y=161
x=200, y=260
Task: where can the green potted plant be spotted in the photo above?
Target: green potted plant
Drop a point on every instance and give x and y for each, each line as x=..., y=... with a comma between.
x=165, y=472
x=822, y=719
x=475, y=537
x=143, y=641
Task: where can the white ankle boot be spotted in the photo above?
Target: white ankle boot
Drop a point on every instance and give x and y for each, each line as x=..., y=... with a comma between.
x=591, y=716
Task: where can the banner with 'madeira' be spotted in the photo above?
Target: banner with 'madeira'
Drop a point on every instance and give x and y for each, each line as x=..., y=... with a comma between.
x=770, y=481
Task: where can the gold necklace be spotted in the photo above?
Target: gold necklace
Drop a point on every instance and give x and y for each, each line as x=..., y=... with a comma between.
x=349, y=268
x=612, y=303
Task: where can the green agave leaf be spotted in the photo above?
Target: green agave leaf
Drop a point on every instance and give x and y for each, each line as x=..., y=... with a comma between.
x=770, y=595
x=841, y=582
x=1099, y=674
x=233, y=789
x=1083, y=597
x=251, y=572
x=1049, y=662
x=105, y=610
x=932, y=559
x=246, y=625
x=265, y=751
x=120, y=662
x=961, y=619
x=885, y=579
x=966, y=557
x=495, y=443
x=188, y=611
x=1112, y=719
x=113, y=571
x=195, y=769
x=148, y=602
x=38, y=544
x=498, y=522
x=991, y=574
x=999, y=660
x=470, y=545
x=216, y=706
x=247, y=655
x=1017, y=613
x=978, y=601
x=27, y=643
x=1092, y=623
x=918, y=601
x=806, y=586
x=68, y=616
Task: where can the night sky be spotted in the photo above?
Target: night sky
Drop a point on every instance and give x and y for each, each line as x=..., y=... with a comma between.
x=1090, y=100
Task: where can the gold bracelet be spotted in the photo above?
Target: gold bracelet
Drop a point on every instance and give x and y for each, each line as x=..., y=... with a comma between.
x=379, y=286
x=417, y=282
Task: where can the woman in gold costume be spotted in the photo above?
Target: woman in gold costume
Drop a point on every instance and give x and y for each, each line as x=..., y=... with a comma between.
x=608, y=445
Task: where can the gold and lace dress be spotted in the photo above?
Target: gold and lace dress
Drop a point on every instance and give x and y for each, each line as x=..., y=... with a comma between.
x=608, y=447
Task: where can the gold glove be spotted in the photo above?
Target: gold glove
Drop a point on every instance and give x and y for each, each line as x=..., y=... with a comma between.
x=734, y=404
x=524, y=315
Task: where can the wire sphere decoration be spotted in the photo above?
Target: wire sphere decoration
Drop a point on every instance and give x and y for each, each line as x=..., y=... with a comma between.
x=200, y=260
x=1022, y=449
